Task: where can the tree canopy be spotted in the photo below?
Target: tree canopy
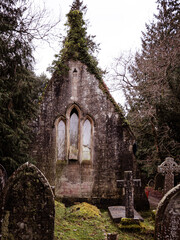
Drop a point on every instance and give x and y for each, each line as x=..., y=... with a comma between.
x=19, y=85
x=77, y=45
x=153, y=89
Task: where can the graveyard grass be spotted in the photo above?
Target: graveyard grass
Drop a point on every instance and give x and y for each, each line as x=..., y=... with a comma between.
x=86, y=222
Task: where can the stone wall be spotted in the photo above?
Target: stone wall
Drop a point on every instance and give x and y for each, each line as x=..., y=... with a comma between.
x=112, y=140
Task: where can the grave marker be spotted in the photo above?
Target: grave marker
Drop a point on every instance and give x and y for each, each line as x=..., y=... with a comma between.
x=168, y=168
x=118, y=212
x=129, y=183
x=167, y=223
x=28, y=206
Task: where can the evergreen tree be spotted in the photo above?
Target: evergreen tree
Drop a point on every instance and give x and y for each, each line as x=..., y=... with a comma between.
x=18, y=85
x=168, y=110
x=156, y=72
x=153, y=94
x=77, y=45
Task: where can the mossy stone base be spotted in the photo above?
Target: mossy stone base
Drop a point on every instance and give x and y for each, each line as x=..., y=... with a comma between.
x=130, y=225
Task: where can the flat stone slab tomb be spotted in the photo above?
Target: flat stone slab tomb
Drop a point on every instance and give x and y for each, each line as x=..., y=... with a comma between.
x=118, y=212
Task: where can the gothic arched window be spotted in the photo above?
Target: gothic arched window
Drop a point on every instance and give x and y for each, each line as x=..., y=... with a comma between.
x=73, y=135
x=87, y=139
x=61, y=140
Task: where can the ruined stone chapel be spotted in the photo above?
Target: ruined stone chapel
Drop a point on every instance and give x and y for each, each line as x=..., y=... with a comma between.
x=83, y=143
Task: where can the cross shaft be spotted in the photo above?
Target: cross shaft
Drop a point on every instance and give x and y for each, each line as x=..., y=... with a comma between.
x=129, y=183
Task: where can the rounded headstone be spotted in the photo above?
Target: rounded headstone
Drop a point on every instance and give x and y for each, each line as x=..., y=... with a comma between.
x=28, y=206
x=167, y=225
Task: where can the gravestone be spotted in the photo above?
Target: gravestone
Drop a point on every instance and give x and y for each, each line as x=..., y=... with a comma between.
x=28, y=206
x=3, y=178
x=159, y=181
x=129, y=183
x=167, y=223
x=168, y=168
x=118, y=212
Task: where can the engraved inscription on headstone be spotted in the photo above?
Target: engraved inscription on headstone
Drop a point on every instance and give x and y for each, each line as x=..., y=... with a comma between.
x=168, y=168
x=129, y=183
x=167, y=225
x=28, y=206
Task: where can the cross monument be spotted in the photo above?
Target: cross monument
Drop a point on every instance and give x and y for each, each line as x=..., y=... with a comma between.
x=129, y=183
x=168, y=168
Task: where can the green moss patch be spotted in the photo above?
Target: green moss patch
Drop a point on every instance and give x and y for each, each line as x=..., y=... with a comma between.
x=84, y=221
x=84, y=210
x=81, y=221
x=130, y=227
x=60, y=210
x=129, y=221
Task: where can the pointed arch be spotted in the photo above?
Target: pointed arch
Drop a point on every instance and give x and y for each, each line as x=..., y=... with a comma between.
x=74, y=136
x=73, y=133
x=60, y=124
x=71, y=107
x=87, y=139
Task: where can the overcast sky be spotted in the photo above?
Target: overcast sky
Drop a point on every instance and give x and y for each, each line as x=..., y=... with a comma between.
x=117, y=25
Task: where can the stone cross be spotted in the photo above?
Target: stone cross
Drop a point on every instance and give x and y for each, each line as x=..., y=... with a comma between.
x=168, y=168
x=129, y=183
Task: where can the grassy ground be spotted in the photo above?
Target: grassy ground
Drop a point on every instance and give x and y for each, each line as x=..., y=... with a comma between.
x=86, y=222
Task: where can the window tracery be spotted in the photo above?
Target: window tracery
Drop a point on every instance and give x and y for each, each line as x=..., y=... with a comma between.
x=74, y=136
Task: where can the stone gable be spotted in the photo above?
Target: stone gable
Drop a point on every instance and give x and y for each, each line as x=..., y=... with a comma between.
x=88, y=164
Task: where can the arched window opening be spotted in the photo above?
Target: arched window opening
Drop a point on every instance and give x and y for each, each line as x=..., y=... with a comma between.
x=86, y=151
x=73, y=132
x=61, y=140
